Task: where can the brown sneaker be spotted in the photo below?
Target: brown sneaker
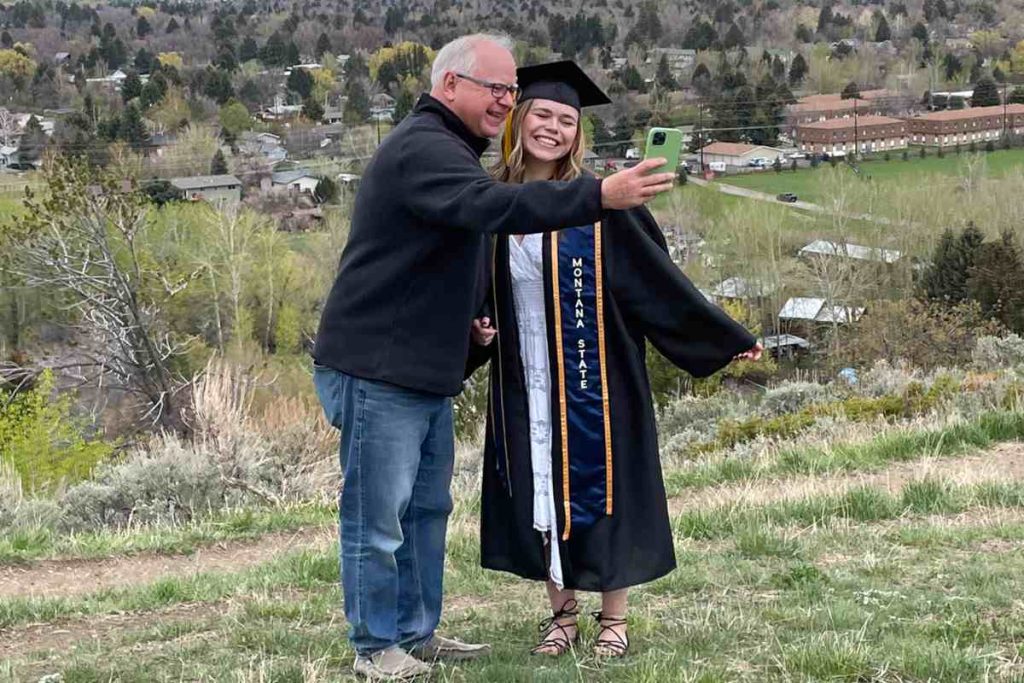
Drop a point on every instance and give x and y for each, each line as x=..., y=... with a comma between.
x=439, y=647
x=392, y=664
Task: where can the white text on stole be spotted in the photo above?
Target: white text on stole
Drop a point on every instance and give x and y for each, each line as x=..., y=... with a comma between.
x=581, y=343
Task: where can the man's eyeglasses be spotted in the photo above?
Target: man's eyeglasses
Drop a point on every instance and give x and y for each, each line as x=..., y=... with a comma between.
x=498, y=90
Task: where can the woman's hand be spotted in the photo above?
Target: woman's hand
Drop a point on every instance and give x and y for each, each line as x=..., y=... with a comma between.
x=482, y=332
x=754, y=353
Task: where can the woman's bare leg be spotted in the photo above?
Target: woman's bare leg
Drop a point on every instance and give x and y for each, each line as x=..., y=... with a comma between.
x=613, y=622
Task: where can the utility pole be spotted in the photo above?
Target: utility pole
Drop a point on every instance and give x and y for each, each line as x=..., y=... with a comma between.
x=1003, y=139
x=700, y=127
x=856, y=147
x=377, y=116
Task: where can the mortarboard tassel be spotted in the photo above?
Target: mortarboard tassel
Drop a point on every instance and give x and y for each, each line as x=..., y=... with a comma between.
x=506, y=138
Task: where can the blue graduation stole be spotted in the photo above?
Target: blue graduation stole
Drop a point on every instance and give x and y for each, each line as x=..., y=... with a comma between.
x=580, y=377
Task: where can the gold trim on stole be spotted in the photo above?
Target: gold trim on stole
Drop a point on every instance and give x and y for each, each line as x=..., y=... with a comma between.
x=560, y=357
x=599, y=286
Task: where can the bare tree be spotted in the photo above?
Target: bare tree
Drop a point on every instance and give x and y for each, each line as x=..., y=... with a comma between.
x=85, y=237
x=8, y=127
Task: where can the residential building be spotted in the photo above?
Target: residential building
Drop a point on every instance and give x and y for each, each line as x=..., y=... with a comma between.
x=216, y=189
x=8, y=156
x=853, y=251
x=736, y=153
x=680, y=61
x=266, y=145
x=862, y=134
x=299, y=180
x=804, y=309
x=741, y=289
x=964, y=126
x=827, y=106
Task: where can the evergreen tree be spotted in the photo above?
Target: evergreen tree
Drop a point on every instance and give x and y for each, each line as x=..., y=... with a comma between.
x=403, y=104
x=1016, y=95
x=986, y=93
x=326, y=191
x=357, y=107
x=218, y=85
x=248, y=50
x=226, y=60
x=6, y=41
x=701, y=79
x=312, y=110
x=804, y=33
x=142, y=28
x=734, y=38
x=798, y=70
x=883, y=32
x=291, y=54
x=323, y=44
x=825, y=17
x=947, y=277
x=273, y=52
x=144, y=60
x=851, y=91
x=33, y=141
x=172, y=26
x=218, y=165
x=996, y=281
x=131, y=87
x=300, y=81
x=664, y=77
x=920, y=31
x=133, y=128
x=700, y=36
x=778, y=70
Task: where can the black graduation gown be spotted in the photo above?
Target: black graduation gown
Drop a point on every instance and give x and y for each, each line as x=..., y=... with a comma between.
x=644, y=296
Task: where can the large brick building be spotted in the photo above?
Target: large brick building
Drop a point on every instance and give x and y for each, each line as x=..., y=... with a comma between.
x=865, y=134
x=813, y=108
x=964, y=126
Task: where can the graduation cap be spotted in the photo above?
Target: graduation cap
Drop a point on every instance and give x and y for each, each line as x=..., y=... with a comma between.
x=563, y=82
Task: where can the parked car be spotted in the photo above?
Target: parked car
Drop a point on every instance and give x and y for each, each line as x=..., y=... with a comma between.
x=787, y=197
x=758, y=162
x=633, y=153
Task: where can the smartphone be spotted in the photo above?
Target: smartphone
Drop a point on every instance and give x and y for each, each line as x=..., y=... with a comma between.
x=665, y=143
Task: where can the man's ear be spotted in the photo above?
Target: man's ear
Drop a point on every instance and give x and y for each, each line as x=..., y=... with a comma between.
x=448, y=86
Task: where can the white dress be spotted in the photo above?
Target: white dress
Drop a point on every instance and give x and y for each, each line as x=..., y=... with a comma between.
x=527, y=270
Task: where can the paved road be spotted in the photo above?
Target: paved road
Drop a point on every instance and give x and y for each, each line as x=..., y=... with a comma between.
x=737, y=191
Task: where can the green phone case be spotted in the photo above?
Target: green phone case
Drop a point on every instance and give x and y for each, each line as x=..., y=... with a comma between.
x=667, y=147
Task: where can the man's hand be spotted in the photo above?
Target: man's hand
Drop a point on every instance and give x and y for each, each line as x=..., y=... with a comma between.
x=754, y=353
x=482, y=332
x=634, y=186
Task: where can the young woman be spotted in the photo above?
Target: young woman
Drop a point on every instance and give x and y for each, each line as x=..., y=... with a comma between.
x=572, y=486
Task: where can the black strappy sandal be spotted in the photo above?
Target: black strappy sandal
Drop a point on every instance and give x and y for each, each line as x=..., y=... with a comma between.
x=559, y=643
x=610, y=648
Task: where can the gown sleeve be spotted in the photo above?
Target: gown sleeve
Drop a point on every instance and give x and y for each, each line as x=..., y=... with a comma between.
x=654, y=295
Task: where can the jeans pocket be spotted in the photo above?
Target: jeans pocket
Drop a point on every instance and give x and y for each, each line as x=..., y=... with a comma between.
x=328, y=385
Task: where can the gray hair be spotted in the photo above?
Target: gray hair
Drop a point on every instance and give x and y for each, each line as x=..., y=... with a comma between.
x=460, y=55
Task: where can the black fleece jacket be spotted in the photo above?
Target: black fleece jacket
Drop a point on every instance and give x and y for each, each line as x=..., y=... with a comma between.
x=412, y=275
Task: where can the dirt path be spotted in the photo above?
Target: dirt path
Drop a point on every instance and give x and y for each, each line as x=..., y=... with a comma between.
x=1001, y=463
x=68, y=578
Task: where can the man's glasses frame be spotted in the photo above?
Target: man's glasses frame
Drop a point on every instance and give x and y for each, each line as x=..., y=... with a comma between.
x=498, y=90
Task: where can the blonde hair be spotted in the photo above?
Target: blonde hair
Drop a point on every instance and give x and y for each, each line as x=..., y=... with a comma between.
x=512, y=169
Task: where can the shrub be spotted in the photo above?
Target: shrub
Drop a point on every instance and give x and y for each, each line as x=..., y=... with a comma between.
x=791, y=397
x=995, y=353
x=906, y=155
x=44, y=441
x=989, y=146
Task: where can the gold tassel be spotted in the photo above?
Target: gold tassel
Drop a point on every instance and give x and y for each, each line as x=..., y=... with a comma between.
x=506, y=138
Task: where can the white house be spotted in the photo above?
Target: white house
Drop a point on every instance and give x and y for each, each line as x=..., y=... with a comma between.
x=741, y=288
x=814, y=309
x=737, y=153
x=299, y=180
x=8, y=156
x=853, y=251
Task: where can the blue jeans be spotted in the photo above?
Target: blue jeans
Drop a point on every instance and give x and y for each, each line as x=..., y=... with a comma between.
x=397, y=454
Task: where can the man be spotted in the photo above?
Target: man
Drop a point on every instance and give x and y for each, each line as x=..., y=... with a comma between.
x=394, y=338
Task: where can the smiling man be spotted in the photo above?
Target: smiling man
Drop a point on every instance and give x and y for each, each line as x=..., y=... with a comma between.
x=394, y=338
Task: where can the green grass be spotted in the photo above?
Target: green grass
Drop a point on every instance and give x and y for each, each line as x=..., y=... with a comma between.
x=835, y=602
x=35, y=544
x=978, y=433
x=806, y=183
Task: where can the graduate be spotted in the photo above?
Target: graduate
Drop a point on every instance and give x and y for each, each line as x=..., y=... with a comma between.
x=572, y=485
